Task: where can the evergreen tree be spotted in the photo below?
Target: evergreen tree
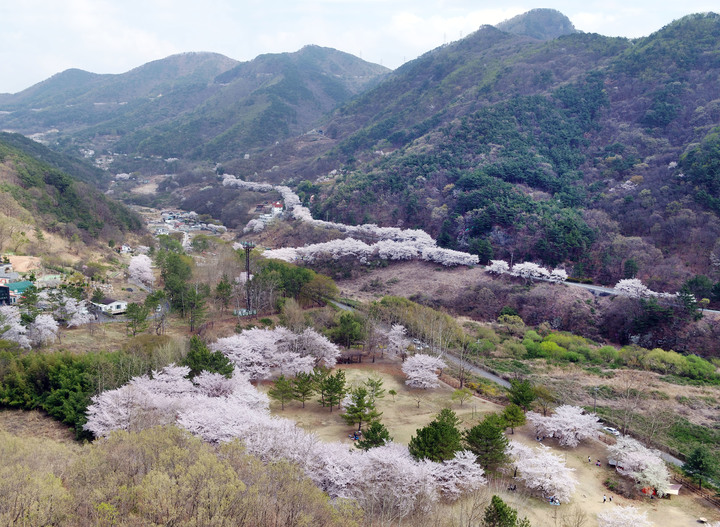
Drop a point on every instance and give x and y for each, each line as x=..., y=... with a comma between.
x=375, y=435
x=223, y=291
x=374, y=388
x=303, y=387
x=282, y=391
x=488, y=442
x=200, y=358
x=439, y=440
x=136, y=316
x=360, y=409
x=513, y=416
x=521, y=393
x=332, y=388
x=500, y=514
x=700, y=464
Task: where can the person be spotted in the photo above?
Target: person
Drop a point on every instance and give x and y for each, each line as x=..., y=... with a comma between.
x=589, y=460
x=604, y=498
x=610, y=499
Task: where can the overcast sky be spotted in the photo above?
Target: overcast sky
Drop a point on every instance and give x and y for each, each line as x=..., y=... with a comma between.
x=39, y=38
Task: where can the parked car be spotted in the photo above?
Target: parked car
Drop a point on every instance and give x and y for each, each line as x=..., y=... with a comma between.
x=611, y=430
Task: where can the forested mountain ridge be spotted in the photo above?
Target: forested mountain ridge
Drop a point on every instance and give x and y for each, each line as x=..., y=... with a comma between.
x=588, y=151
x=39, y=191
x=193, y=105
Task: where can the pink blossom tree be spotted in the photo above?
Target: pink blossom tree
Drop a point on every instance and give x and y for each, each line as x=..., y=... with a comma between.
x=570, y=425
x=422, y=371
x=397, y=340
x=43, y=330
x=541, y=470
x=640, y=463
x=140, y=269
x=620, y=516
x=11, y=327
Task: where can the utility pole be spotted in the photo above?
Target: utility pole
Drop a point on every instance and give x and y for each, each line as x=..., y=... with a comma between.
x=248, y=247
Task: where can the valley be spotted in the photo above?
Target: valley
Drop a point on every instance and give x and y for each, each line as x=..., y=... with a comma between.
x=529, y=200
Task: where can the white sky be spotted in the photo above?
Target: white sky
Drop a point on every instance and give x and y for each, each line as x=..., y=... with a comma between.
x=39, y=38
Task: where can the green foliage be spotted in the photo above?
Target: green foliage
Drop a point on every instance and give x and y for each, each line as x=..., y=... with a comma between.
x=488, y=442
x=361, y=408
x=521, y=393
x=439, y=440
x=331, y=388
x=375, y=435
x=701, y=464
x=500, y=514
x=199, y=358
x=136, y=316
x=304, y=387
x=514, y=416
x=349, y=329
x=63, y=383
x=462, y=395
x=282, y=391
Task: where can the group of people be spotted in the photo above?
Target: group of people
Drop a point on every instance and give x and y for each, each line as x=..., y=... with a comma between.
x=552, y=500
x=355, y=436
x=597, y=464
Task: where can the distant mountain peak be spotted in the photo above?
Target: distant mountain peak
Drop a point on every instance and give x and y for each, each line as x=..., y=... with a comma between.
x=542, y=24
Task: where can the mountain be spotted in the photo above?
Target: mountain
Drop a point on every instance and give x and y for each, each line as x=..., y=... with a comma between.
x=38, y=191
x=542, y=24
x=590, y=152
x=194, y=105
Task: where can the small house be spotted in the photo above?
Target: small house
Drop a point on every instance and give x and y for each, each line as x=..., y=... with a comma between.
x=111, y=306
x=17, y=290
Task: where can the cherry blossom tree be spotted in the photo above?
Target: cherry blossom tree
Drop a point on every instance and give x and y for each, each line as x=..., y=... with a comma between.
x=140, y=269
x=640, y=463
x=43, y=330
x=570, y=425
x=541, y=470
x=254, y=225
x=74, y=312
x=620, y=516
x=397, y=340
x=558, y=275
x=421, y=370
x=530, y=271
x=633, y=288
x=262, y=353
x=11, y=327
x=498, y=267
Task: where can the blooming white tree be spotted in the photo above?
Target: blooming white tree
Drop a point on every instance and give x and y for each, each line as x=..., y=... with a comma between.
x=397, y=341
x=530, y=271
x=11, y=327
x=74, y=312
x=541, y=470
x=140, y=269
x=633, y=288
x=43, y=330
x=254, y=225
x=620, y=516
x=558, y=275
x=640, y=463
x=422, y=371
x=458, y=475
x=498, y=267
x=262, y=353
x=570, y=425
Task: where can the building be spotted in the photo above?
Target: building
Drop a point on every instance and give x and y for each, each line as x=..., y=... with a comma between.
x=17, y=290
x=4, y=295
x=111, y=306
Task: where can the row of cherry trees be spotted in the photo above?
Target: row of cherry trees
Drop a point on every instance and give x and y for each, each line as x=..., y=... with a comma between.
x=527, y=270
x=392, y=243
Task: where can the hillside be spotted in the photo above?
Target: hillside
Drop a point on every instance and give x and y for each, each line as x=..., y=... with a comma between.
x=194, y=105
x=39, y=192
x=584, y=151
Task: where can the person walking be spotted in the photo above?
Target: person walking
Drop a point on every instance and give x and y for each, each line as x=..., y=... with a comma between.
x=604, y=498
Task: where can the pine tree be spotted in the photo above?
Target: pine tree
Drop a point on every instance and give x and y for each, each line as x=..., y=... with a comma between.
x=200, y=358
x=488, y=442
x=500, y=514
x=513, y=416
x=700, y=464
x=439, y=440
x=375, y=435
x=282, y=391
x=303, y=387
x=361, y=408
x=521, y=393
x=332, y=389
